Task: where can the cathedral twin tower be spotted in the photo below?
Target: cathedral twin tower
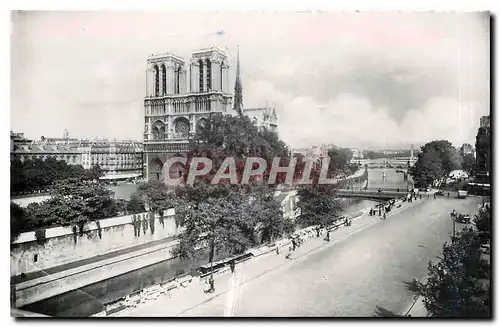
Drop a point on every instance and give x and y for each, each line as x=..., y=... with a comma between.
x=179, y=98
x=168, y=74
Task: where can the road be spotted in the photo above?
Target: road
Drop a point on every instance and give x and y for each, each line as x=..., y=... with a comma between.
x=363, y=275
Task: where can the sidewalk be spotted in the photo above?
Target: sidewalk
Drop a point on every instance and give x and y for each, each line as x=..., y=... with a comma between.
x=184, y=299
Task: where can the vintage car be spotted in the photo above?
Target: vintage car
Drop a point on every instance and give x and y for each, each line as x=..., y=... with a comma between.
x=462, y=218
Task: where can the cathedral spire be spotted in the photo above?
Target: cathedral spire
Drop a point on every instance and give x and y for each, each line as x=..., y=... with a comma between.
x=238, y=90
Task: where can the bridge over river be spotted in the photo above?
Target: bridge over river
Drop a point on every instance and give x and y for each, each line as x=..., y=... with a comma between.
x=391, y=183
x=370, y=194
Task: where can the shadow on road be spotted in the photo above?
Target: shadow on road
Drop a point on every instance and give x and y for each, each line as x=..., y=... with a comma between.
x=384, y=313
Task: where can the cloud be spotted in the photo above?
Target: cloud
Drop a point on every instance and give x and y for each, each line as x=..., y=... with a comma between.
x=354, y=121
x=370, y=79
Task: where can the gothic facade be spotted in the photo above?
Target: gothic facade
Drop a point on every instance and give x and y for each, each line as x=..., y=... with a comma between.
x=180, y=95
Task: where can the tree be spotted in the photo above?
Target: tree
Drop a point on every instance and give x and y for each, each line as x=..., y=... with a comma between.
x=73, y=203
x=374, y=155
x=318, y=206
x=454, y=286
x=469, y=164
x=135, y=205
x=225, y=218
x=18, y=220
x=435, y=160
x=40, y=175
x=271, y=224
x=237, y=137
x=217, y=224
x=339, y=158
x=156, y=195
x=482, y=220
x=95, y=173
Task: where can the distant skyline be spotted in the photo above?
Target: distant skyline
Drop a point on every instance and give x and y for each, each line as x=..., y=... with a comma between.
x=362, y=80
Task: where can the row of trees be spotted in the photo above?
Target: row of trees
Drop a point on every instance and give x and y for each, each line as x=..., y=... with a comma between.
x=437, y=159
x=459, y=283
x=229, y=219
x=73, y=202
x=33, y=175
x=225, y=218
x=468, y=161
x=380, y=155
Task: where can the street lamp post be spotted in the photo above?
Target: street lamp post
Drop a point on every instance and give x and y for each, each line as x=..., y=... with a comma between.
x=453, y=240
x=212, y=254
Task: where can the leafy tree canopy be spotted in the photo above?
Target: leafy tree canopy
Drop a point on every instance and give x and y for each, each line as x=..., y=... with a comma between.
x=73, y=203
x=436, y=159
x=318, y=206
x=456, y=284
x=39, y=175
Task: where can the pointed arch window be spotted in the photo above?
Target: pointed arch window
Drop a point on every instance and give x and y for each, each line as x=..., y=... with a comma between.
x=157, y=80
x=200, y=63
x=178, y=79
x=209, y=75
x=164, y=79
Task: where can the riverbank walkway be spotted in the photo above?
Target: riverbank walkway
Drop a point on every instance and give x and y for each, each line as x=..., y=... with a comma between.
x=183, y=299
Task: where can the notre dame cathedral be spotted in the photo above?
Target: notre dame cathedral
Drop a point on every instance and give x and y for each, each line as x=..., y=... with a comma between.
x=179, y=98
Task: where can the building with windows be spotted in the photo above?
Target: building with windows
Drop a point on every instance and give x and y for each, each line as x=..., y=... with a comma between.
x=180, y=95
x=64, y=149
x=483, y=150
x=118, y=159
x=263, y=117
x=467, y=149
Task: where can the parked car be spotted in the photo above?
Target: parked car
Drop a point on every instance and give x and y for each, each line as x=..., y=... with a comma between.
x=462, y=194
x=439, y=192
x=463, y=218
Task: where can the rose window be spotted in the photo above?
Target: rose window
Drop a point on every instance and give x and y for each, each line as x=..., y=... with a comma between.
x=182, y=129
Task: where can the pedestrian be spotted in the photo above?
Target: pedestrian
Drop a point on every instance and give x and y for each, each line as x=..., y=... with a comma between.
x=328, y=236
x=448, y=194
x=385, y=215
x=294, y=245
x=233, y=265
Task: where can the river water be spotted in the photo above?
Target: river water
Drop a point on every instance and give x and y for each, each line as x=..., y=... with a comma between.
x=91, y=299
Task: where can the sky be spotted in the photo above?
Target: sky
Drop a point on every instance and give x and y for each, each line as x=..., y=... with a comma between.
x=360, y=79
